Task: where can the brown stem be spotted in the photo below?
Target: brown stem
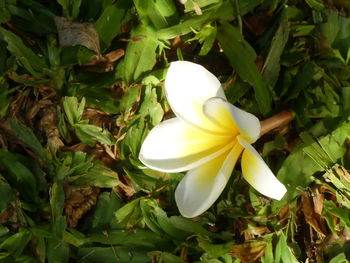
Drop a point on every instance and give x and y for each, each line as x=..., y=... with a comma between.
x=276, y=121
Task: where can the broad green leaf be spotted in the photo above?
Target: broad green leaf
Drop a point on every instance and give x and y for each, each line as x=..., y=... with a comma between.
x=58, y=222
x=215, y=250
x=189, y=226
x=30, y=61
x=19, y=175
x=74, y=237
x=165, y=257
x=158, y=221
x=129, y=214
x=283, y=253
x=109, y=23
x=297, y=169
x=15, y=244
x=140, y=54
x=272, y=67
x=157, y=13
x=343, y=214
x=221, y=11
x=242, y=56
x=27, y=135
x=70, y=7
x=6, y=195
x=74, y=110
x=341, y=258
x=57, y=251
x=130, y=98
x=150, y=105
x=99, y=175
x=107, y=204
x=135, y=238
x=90, y=134
x=302, y=80
x=134, y=137
x=113, y=254
x=315, y=5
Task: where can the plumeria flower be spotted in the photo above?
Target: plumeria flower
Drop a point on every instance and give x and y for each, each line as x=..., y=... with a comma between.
x=206, y=138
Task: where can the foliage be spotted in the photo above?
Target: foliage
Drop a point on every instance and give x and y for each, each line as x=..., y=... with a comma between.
x=78, y=97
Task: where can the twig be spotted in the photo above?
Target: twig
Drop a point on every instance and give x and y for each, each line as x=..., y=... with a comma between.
x=278, y=120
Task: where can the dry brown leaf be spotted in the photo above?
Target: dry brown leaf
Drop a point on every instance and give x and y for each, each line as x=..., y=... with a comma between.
x=343, y=173
x=311, y=217
x=248, y=252
x=49, y=125
x=73, y=34
x=78, y=202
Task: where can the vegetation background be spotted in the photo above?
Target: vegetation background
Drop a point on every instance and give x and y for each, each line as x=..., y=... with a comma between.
x=81, y=84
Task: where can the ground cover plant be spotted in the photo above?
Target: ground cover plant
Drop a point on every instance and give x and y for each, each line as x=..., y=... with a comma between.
x=81, y=86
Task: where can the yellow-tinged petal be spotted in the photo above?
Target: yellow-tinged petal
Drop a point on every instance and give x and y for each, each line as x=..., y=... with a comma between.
x=188, y=86
x=219, y=111
x=258, y=174
x=175, y=146
x=202, y=186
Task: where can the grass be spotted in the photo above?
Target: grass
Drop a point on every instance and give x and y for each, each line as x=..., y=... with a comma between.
x=81, y=85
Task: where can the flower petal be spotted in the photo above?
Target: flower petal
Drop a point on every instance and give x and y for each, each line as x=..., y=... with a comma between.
x=188, y=86
x=175, y=146
x=258, y=174
x=202, y=186
x=219, y=111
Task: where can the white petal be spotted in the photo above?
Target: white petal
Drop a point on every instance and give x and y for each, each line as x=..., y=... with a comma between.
x=175, y=146
x=188, y=86
x=258, y=174
x=202, y=186
x=229, y=116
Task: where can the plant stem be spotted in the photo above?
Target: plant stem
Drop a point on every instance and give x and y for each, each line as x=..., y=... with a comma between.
x=278, y=120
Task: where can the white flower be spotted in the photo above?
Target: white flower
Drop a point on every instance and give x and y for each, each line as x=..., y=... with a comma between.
x=206, y=139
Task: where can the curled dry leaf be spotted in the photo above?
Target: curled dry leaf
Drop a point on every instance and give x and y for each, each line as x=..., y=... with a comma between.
x=104, y=63
x=49, y=125
x=78, y=202
x=249, y=252
x=313, y=218
x=73, y=34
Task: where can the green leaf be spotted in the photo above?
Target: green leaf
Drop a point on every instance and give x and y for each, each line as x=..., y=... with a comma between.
x=242, y=56
x=6, y=195
x=58, y=222
x=57, y=251
x=221, y=11
x=343, y=214
x=74, y=237
x=160, y=256
x=107, y=204
x=150, y=105
x=30, y=61
x=140, y=54
x=158, y=13
x=297, y=169
x=283, y=253
x=74, y=110
x=109, y=23
x=15, y=244
x=315, y=5
x=99, y=175
x=135, y=238
x=129, y=214
x=19, y=175
x=70, y=7
x=113, y=254
x=341, y=258
x=27, y=135
x=89, y=134
x=272, y=67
